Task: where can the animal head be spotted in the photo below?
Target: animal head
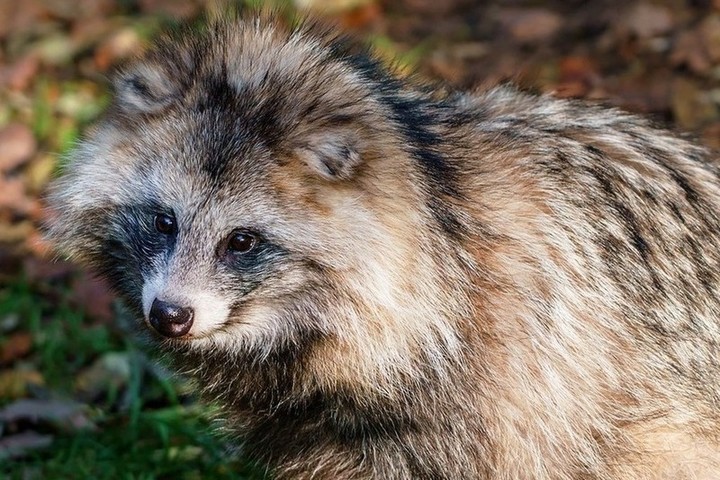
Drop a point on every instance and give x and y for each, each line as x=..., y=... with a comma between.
x=251, y=187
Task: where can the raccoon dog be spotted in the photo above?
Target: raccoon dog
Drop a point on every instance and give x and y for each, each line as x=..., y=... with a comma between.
x=380, y=281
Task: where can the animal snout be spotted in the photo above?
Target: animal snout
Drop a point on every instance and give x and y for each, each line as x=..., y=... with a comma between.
x=170, y=320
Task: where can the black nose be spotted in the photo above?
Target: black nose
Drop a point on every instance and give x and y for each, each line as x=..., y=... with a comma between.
x=170, y=320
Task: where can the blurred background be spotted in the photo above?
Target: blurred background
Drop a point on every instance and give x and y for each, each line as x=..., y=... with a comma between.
x=78, y=399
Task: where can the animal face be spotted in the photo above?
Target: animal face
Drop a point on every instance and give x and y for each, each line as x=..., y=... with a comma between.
x=227, y=191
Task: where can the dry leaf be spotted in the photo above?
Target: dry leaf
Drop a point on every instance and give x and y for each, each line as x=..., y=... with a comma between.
x=20, y=74
x=118, y=46
x=689, y=51
x=14, y=197
x=531, y=24
x=647, y=20
x=17, y=146
x=362, y=16
x=15, y=346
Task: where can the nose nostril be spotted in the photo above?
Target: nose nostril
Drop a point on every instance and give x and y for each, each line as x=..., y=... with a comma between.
x=170, y=320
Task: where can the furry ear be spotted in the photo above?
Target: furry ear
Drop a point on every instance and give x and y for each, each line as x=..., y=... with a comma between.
x=144, y=88
x=333, y=154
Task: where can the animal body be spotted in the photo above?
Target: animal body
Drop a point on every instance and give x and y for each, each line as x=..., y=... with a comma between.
x=376, y=280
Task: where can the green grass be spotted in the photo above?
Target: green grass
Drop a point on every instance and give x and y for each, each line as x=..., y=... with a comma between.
x=172, y=443
x=63, y=339
x=151, y=429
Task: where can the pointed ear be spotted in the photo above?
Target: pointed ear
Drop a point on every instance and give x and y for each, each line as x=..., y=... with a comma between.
x=145, y=88
x=334, y=154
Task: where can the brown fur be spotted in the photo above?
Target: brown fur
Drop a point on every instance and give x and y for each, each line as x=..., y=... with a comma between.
x=490, y=285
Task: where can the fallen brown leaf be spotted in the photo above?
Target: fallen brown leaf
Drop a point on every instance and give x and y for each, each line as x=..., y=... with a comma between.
x=528, y=25
x=17, y=146
x=647, y=20
x=15, y=346
x=19, y=75
x=580, y=68
x=14, y=196
x=117, y=47
x=689, y=51
x=577, y=76
x=20, y=16
x=361, y=16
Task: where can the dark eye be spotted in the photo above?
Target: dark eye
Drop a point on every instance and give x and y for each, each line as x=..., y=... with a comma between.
x=241, y=241
x=164, y=224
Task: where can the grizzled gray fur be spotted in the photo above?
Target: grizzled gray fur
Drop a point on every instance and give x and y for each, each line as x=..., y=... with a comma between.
x=376, y=280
